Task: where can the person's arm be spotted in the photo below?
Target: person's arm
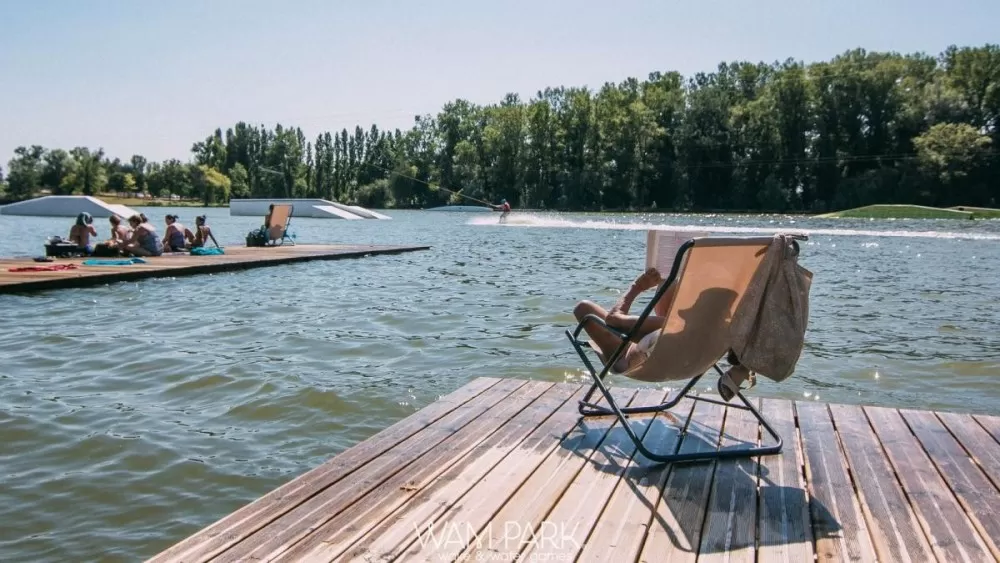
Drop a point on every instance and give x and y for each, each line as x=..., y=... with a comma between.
x=619, y=317
x=92, y=229
x=211, y=236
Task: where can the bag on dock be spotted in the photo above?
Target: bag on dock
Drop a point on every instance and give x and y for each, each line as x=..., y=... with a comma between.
x=257, y=237
x=105, y=250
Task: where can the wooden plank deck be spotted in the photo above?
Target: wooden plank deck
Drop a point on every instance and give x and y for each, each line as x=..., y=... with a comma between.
x=235, y=258
x=505, y=469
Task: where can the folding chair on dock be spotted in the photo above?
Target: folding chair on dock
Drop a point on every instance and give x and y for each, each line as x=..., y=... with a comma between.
x=277, y=227
x=712, y=275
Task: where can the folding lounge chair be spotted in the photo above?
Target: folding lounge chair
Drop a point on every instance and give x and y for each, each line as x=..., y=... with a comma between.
x=277, y=228
x=711, y=274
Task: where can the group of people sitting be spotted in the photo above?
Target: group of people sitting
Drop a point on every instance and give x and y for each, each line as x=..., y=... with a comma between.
x=139, y=236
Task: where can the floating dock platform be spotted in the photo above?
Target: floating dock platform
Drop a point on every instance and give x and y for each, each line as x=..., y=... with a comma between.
x=235, y=258
x=505, y=470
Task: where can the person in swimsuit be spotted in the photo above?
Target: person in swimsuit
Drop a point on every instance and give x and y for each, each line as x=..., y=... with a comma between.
x=176, y=236
x=119, y=232
x=80, y=233
x=202, y=233
x=143, y=240
x=638, y=352
x=618, y=317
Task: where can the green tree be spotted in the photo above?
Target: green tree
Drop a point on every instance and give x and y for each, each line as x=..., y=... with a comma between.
x=122, y=182
x=210, y=185
x=955, y=156
x=863, y=127
x=137, y=168
x=88, y=176
x=239, y=181
x=57, y=165
x=170, y=178
x=24, y=172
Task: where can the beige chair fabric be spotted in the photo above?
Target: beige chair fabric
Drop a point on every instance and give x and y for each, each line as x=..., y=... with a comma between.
x=711, y=283
x=279, y=221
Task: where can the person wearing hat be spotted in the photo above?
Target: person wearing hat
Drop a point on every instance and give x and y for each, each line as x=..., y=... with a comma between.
x=176, y=236
x=80, y=233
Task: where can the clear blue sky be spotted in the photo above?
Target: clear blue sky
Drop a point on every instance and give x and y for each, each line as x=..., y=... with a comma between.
x=154, y=76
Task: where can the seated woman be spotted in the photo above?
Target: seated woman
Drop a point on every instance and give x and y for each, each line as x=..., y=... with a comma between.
x=618, y=318
x=80, y=233
x=638, y=352
x=202, y=233
x=176, y=237
x=143, y=240
x=119, y=232
x=113, y=245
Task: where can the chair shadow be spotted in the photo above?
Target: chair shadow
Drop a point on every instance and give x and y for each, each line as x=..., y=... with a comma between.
x=684, y=505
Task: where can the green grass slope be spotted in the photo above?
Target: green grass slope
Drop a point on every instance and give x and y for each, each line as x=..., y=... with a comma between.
x=886, y=211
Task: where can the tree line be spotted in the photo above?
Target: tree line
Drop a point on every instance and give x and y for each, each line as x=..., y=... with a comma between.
x=862, y=128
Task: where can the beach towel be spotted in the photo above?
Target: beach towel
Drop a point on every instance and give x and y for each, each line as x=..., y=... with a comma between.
x=53, y=268
x=123, y=262
x=204, y=251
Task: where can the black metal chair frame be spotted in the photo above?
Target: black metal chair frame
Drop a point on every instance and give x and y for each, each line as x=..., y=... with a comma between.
x=589, y=408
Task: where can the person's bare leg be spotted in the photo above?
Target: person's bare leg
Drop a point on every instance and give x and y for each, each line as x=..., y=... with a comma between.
x=605, y=340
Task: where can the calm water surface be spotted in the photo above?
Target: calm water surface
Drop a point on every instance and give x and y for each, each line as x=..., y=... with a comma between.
x=133, y=414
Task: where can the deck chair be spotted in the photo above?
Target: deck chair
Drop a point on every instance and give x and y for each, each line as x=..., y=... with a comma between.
x=277, y=227
x=712, y=275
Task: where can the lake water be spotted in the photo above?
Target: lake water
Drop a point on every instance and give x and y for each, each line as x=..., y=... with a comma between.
x=133, y=414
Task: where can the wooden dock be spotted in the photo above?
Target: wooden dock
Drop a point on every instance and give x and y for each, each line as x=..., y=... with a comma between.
x=504, y=470
x=235, y=258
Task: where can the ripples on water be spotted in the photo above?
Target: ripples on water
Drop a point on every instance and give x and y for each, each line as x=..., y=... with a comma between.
x=133, y=414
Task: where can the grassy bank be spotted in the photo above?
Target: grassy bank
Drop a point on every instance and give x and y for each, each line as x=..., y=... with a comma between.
x=886, y=211
x=154, y=202
x=979, y=212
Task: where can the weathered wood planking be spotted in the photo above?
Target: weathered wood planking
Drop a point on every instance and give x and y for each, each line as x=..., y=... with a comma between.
x=235, y=258
x=978, y=496
x=731, y=522
x=675, y=529
x=507, y=469
x=838, y=525
x=488, y=481
x=895, y=530
x=620, y=531
x=581, y=505
x=951, y=535
x=783, y=520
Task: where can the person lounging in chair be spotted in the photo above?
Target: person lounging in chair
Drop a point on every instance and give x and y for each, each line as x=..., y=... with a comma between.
x=618, y=317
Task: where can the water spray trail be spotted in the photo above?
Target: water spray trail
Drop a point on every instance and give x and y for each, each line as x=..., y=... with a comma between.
x=539, y=221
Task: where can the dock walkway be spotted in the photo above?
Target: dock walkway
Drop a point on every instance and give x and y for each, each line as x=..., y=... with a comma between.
x=504, y=470
x=235, y=258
